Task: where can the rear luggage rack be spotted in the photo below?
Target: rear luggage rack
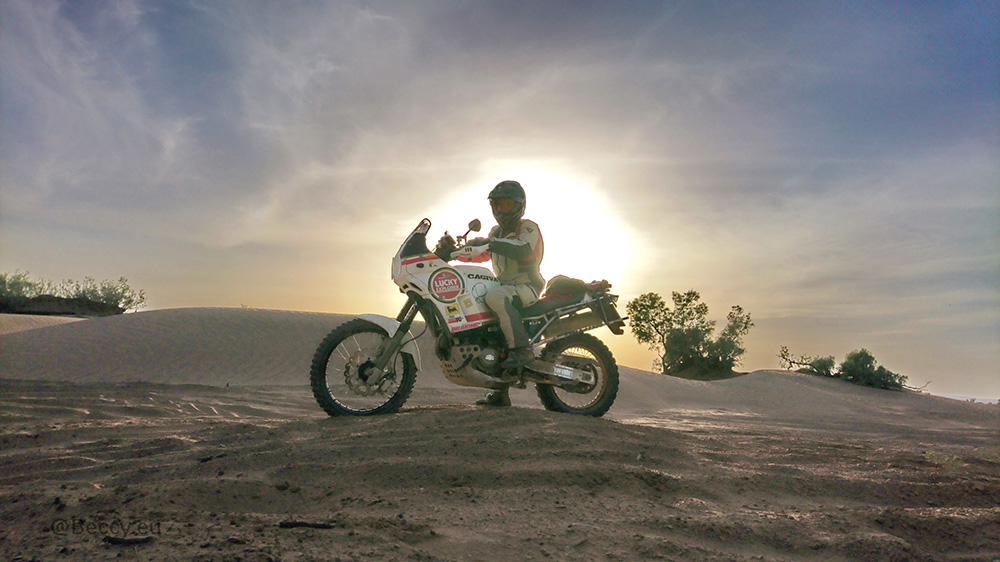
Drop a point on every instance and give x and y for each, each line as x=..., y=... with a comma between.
x=592, y=312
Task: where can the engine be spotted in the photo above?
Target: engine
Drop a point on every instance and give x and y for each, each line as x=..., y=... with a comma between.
x=488, y=361
x=472, y=365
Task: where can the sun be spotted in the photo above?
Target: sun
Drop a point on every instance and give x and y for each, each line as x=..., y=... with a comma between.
x=584, y=236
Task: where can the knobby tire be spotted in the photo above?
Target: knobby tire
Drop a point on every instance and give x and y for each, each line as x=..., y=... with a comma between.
x=547, y=392
x=321, y=359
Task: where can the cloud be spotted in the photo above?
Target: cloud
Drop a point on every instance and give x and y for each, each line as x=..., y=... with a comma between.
x=806, y=160
x=76, y=129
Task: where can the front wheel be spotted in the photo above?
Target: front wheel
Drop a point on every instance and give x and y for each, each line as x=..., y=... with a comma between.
x=341, y=370
x=584, y=352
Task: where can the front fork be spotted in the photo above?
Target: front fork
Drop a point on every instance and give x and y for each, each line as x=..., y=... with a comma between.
x=391, y=347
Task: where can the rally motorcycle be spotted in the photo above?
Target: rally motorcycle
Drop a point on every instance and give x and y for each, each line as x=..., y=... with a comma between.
x=369, y=365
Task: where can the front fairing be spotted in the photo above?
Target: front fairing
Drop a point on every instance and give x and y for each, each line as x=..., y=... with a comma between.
x=457, y=291
x=416, y=242
x=414, y=261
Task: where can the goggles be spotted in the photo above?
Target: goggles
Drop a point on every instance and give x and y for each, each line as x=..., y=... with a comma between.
x=504, y=205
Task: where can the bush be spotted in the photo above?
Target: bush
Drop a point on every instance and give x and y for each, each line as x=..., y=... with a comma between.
x=815, y=365
x=115, y=293
x=859, y=367
x=682, y=336
x=18, y=288
x=17, y=285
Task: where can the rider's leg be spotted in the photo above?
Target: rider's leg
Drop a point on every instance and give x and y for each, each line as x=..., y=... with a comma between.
x=501, y=301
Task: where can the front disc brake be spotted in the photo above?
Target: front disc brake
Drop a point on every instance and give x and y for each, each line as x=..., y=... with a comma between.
x=356, y=375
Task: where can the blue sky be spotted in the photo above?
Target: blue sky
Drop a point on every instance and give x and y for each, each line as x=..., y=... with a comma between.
x=833, y=167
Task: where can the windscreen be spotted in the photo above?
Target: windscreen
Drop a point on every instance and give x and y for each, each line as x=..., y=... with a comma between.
x=416, y=243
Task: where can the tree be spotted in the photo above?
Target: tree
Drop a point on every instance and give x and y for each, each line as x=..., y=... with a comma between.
x=682, y=336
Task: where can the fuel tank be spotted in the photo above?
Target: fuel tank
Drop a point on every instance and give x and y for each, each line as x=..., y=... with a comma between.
x=460, y=294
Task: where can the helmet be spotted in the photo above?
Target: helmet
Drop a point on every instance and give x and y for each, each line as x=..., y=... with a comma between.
x=507, y=217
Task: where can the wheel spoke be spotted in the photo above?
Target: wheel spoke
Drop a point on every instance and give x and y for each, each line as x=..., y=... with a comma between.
x=582, y=352
x=339, y=373
x=584, y=360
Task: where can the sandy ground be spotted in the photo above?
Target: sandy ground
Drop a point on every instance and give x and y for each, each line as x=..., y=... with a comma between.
x=13, y=323
x=121, y=440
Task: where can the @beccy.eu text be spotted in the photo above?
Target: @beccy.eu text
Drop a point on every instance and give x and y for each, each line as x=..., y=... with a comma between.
x=105, y=527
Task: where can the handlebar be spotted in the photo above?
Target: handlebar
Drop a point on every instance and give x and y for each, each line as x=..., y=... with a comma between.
x=469, y=252
x=448, y=245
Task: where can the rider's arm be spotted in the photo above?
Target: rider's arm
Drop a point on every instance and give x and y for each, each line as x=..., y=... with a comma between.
x=484, y=257
x=512, y=248
x=526, y=247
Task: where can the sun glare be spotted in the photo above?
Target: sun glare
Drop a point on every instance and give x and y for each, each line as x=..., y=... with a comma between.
x=584, y=237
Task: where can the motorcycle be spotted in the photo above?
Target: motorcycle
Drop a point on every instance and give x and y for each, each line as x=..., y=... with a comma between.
x=368, y=365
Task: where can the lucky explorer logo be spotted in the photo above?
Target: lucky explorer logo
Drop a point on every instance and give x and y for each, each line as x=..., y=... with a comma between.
x=446, y=285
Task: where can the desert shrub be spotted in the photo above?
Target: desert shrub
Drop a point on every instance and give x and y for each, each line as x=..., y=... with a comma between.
x=18, y=286
x=858, y=367
x=815, y=365
x=823, y=365
x=682, y=336
x=116, y=293
x=950, y=462
x=861, y=368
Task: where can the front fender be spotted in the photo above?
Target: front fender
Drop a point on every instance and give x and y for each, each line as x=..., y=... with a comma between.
x=391, y=326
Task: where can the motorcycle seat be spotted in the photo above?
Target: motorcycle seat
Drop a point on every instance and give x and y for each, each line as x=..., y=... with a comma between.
x=549, y=303
x=559, y=292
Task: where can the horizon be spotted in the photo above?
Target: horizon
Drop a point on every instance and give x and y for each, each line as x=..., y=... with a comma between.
x=15, y=328
x=831, y=168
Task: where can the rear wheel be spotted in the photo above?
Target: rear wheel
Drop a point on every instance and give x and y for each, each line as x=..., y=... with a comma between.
x=341, y=376
x=586, y=353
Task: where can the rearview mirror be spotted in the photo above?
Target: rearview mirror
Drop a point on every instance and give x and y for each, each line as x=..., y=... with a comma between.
x=475, y=225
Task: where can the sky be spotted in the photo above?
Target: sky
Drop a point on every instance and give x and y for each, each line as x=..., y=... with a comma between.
x=833, y=167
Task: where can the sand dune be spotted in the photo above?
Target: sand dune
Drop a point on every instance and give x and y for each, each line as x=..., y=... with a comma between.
x=226, y=346
x=215, y=346
x=13, y=323
x=129, y=420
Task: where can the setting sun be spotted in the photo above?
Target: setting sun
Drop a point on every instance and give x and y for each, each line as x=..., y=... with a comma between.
x=584, y=237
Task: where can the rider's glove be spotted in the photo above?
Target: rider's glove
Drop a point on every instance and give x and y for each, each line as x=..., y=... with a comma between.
x=446, y=241
x=468, y=251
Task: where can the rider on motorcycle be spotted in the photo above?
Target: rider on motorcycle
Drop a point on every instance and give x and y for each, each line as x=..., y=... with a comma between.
x=516, y=249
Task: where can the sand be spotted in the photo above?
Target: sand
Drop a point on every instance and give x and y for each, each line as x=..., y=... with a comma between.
x=191, y=434
x=13, y=323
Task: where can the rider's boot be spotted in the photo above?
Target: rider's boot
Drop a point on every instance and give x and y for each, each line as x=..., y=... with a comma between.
x=518, y=357
x=497, y=398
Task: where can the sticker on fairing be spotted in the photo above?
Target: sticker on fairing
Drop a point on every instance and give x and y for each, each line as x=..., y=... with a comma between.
x=460, y=327
x=446, y=285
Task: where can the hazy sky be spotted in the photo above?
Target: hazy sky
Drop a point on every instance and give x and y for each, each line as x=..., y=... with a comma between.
x=833, y=167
